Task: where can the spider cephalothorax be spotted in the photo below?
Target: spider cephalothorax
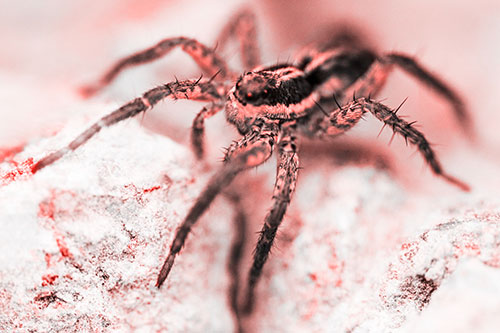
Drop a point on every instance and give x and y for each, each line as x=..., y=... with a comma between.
x=277, y=92
x=271, y=107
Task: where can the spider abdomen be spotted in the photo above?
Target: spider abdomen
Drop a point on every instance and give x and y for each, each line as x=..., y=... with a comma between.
x=335, y=70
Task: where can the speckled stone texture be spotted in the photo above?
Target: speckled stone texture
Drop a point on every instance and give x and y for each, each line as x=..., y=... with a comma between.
x=358, y=251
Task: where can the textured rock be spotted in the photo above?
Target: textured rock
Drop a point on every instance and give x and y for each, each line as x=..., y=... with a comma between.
x=84, y=238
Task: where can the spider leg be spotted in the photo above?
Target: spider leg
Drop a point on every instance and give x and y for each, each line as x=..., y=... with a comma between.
x=252, y=150
x=189, y=89
x=343, y=151
x=286, y=176
x=236, y=252
x=198, y=127
x=332, y=124
x=408, y=131
x=244, y=27
x=412, y=67
x=204, y=56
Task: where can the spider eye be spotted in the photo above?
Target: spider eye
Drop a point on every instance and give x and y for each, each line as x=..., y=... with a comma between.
x=251, y=96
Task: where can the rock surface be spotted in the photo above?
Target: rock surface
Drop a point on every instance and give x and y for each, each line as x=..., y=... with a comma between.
x=358, y=251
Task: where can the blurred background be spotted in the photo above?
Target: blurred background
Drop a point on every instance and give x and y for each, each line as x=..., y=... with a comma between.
x=51, y=48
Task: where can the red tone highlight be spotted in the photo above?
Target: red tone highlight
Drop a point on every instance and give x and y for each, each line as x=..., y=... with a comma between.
x=20, y=171
x=48, y=258
x=49, y=279
x=149, y=190
x=47, y=211
x=410, y=250
x=6, y=154
x=61, y=244
x=467, y=246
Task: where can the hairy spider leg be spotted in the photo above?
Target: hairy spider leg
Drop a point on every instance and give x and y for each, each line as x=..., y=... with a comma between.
x=243, y=26
x=370, y=83
x=235, y=253
x=410, y=134
x=252, y=150
x=338, y=121
x=412, y=67
x=286, y=177
x=198, y=127
x=360, y=72
x=205, y=57
x=370, y=78
x=189, y=89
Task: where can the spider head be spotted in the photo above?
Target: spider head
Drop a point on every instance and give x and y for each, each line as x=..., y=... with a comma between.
x=249, y=98
x=255, y=88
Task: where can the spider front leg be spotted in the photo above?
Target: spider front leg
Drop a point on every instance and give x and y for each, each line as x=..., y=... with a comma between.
x=336, y=122
x=373, y=80
x=204, y=56
x=411, y=135
x=286, y=177
x=243, y=26
x=252, y=150
x=189, y=89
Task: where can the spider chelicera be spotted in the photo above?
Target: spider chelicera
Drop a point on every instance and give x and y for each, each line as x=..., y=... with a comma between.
x=272, y=107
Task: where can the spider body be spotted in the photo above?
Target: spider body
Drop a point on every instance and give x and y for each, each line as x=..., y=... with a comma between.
x=286, y=91
x=281, y=93
x=272, y=107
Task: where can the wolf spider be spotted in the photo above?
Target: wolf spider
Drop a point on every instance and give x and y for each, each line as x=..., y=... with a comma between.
x=271, y=106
